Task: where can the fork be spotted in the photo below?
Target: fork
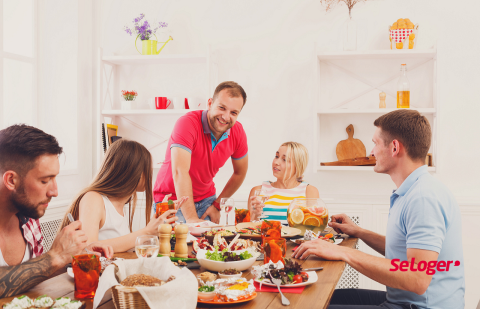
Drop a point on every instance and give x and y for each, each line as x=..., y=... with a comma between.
x=277, y=282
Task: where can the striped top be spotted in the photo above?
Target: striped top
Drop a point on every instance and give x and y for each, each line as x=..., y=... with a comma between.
x=277, y=205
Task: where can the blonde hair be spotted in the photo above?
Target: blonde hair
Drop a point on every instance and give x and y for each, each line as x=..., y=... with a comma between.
x=122, y=168
x=298, y=155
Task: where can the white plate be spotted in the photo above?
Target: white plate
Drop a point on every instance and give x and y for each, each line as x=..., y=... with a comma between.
x=312, y=278
x=337, y=241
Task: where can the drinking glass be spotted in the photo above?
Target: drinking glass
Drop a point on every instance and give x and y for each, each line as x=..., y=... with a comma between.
x=86, y=272
x=227, y=204
x=274, y=249
x=147, y=246
x=262, y=197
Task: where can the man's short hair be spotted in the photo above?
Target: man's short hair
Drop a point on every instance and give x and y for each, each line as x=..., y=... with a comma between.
x=410, y=128
x=21, y=145
x=234, y=90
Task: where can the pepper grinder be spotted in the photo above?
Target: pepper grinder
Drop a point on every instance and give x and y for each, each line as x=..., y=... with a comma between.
x=164, y=233
x=382, y=96
x=181, y=249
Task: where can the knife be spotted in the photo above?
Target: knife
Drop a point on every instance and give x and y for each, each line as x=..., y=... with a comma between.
x=312, y=269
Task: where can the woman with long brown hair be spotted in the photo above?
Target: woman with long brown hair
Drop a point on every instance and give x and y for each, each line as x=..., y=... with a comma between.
x=126, y=170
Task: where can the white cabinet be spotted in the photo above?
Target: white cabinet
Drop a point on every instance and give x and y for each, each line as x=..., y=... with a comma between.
x=347, y=85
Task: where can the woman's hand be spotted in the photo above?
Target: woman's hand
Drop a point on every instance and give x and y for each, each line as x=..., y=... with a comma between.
x=257, y=207
x=152, y=226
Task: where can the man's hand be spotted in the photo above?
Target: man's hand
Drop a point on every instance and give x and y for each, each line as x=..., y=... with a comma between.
x=342, y=224
x=213, y=213
x=320, y=248
x=71, y=240
x=101, y=249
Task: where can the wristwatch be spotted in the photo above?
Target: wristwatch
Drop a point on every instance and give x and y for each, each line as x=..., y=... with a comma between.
x=216, y=205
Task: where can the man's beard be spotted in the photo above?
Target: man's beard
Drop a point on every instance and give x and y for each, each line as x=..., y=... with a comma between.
x=213, y=121
x=26, y=208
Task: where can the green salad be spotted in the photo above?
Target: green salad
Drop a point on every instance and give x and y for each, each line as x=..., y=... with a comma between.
x=206, y=288
x=225, y=256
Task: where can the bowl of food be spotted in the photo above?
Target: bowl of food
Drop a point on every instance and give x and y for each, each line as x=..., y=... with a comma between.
x=220, y=261
x=230, y=273
x=206, y=293
x=205, y=277
x=226, y=234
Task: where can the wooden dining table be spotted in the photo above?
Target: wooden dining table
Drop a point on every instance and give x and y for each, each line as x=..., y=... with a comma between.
x=316, y=295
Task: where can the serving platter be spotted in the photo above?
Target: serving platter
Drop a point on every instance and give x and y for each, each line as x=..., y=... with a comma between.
x=287, y=231
x=312, y=278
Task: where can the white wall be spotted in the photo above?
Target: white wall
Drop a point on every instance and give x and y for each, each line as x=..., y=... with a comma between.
x=267, y=46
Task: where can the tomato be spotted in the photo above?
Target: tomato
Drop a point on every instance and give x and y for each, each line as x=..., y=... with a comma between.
x=297, y=279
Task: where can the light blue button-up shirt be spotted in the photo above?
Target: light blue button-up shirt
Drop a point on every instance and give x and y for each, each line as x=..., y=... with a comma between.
x=424, y=215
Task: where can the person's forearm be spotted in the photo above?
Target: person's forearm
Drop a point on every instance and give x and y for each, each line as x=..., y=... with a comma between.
x=183, y=187
x=373, y=240
x=232, y=185
x=378, y=269
x=20, y=278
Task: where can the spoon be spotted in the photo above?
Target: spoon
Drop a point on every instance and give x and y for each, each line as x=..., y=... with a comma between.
x=70, y=217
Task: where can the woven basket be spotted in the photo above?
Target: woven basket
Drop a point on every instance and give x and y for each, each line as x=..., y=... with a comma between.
x=128, y=298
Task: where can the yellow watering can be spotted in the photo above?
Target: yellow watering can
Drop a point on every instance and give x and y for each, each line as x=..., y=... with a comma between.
x=149, y=47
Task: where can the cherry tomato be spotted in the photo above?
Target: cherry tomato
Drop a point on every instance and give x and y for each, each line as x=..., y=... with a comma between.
x=297, y=279
x=304, y=274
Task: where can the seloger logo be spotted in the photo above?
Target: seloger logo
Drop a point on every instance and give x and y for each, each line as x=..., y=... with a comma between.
x=431, y=267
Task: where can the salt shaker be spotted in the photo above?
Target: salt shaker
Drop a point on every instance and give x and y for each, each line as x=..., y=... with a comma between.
x=382, y=96
x=164, y=233
x=181, y=249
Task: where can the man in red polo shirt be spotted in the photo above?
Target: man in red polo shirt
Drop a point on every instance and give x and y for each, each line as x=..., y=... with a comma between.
x=201, y=143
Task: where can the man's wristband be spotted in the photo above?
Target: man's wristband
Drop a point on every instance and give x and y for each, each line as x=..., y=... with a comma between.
x=216, y=205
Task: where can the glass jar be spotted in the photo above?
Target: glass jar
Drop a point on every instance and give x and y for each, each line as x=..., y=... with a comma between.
x=308, y=214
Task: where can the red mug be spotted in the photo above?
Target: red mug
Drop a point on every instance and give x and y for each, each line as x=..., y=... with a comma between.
x=162, y=103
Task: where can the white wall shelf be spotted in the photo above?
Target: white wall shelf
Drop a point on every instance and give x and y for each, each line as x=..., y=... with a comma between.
x=347, y=85
x=155, y=59
x=120, y=112
x=356, y=168
x=372, y=111
x=378, y=54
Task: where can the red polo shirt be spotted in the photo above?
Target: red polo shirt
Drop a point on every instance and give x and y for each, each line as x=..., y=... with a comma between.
x=192, y=133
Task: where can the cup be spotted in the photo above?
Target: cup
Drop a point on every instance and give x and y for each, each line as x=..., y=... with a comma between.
x=162, y=102
x=86, y=272
x=271, y=229
x=147, y=246
x=164, y=207
x=194, y=103
x=178, y=103
x=274, y=249
x=151, y=103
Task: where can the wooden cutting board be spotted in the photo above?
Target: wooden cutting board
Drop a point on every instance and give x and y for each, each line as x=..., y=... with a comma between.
x=350, y=148
x=362, y=161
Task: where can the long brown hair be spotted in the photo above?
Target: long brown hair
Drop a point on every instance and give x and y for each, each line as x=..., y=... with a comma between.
x=122, y=168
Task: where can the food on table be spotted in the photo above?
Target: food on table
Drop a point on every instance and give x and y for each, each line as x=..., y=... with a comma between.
x=290, y=272
x=43, y=301
x=307, y=214
x=220, y=242
x=309, y=235
x=21, y=302
x=270, y=228
x=230, y=271
x=206, y=288
x=141, y=280
x=203, y=244
x=250, y=231
x=225, y=256
x=274, y=249
x=66, y=302
x=239, y=244
x=229, y=290
x=221, y=232
x=207, y=276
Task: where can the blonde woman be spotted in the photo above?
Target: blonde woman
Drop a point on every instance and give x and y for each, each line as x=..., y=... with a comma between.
x=126, y=170
x=288, y=167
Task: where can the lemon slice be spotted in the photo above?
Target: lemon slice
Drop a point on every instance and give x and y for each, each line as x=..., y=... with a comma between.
x=312, y=221
x=297, y=216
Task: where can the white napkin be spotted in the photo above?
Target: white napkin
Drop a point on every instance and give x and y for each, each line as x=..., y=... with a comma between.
x=179, y=293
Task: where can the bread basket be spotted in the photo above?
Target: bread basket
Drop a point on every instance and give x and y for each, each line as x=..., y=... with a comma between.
x=128, y=298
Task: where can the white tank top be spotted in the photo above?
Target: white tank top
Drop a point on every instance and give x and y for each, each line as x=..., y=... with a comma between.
x=115, y=224
x=26, y=256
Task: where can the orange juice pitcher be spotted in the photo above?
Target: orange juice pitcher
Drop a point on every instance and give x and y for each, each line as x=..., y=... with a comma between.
x=308, y=214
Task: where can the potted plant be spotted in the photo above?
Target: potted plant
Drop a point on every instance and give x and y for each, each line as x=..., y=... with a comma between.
x=144, y=31
x=129, y=98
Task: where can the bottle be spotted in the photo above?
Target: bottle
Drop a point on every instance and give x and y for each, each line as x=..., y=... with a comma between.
x=181, y=248
x=164, y=233
x=382, y=103
x=403, y=89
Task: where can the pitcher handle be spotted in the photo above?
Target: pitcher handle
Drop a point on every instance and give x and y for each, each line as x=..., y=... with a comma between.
x=164, y=43
x=168, y=103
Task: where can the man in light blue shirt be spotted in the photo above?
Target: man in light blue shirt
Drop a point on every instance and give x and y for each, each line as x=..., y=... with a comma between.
x=423, y=264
